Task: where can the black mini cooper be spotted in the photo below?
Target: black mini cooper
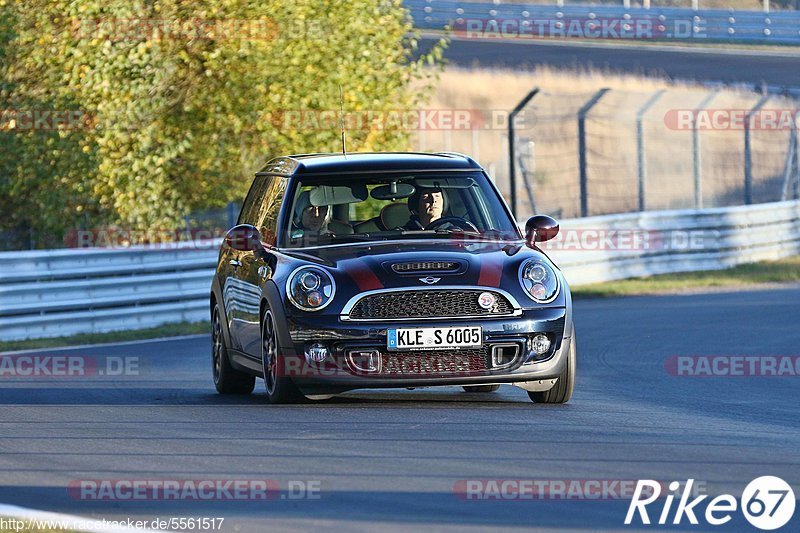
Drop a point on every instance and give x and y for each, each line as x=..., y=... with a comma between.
x=387, y=270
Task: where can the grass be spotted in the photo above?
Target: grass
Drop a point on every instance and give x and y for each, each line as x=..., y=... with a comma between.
x=742, y=276
x=167, y=330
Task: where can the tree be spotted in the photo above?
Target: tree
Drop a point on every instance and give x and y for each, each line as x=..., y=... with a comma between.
x=180, y=97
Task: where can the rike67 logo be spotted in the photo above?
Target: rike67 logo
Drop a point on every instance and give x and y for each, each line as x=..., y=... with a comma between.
x=767, y=503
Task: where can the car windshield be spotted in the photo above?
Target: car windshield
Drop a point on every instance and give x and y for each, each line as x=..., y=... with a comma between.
x=340, y=209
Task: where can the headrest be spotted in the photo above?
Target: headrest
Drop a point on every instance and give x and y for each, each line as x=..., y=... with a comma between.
x=302, y=202
x=394, y=215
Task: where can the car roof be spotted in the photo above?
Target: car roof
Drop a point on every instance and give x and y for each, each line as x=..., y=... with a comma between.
x=367, y=162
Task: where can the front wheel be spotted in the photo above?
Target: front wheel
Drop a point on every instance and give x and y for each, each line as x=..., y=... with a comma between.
x=227, y=379
x=280, y=389
x=562, y=390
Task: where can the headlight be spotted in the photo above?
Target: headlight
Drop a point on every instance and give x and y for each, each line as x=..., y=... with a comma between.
x=539, y=280
x=310, y=288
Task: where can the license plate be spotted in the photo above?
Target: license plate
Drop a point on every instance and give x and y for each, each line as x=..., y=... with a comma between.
x=434, y=338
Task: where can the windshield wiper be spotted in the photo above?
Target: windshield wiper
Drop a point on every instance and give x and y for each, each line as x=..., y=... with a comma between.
x=456, y=230
x=355, y=237
x=438, y=231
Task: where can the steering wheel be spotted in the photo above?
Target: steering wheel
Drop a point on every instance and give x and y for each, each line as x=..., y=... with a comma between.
x=458, y=222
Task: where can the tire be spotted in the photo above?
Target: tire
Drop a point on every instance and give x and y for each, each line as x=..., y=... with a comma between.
x=227, y=379
x=562, y=390
x=280, y=389
x=481, y=388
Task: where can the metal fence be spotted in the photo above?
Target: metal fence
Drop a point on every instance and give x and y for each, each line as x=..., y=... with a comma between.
x=530, y=21
x=64, y=292
x=612, y=151
x=53, y=293
x=610, y=247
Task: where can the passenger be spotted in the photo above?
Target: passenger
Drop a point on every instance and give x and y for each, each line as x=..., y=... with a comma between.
x=310, y=219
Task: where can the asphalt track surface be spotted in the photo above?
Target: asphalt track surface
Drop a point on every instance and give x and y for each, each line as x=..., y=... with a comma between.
x=776, y=68
x=391, y=459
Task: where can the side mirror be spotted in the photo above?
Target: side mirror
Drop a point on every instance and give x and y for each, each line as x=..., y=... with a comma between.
x=244, y=238
x=540, y=228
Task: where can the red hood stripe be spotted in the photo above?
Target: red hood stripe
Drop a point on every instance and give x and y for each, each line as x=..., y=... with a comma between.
x=491, y=273
x=364, y=277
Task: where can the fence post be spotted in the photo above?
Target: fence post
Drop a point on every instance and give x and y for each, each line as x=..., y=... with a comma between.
x=791, y=175
x=748, y=157
x=231, y=214
x=512, y=174
x=528, y=187
x=584, y=178
x=640, y=159
x=696, y=163
x=796, y=162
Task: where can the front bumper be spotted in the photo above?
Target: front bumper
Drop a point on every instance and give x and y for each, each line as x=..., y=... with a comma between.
x=420, y=368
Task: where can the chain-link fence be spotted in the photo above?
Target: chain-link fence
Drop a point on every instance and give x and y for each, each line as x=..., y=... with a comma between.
x=616, y=151
x=611, y=151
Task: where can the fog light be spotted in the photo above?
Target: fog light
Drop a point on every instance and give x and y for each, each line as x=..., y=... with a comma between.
x=364, y=360
x=540, y=344
x=316, y=353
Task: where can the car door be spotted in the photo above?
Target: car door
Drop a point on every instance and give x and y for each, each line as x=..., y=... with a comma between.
x=236, y=288
x=258, y=267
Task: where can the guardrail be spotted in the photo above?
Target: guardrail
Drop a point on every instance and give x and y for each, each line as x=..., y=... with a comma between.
x=488, y=20
x=610, y=247
x=64, y=292
x=55, y=293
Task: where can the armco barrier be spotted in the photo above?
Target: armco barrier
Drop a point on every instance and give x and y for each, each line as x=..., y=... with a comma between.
x=55, y=293
x=523, y=20
x=64, y=292
x=675, y=241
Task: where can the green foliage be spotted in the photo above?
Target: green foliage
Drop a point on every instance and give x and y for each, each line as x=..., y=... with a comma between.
x=182, y=115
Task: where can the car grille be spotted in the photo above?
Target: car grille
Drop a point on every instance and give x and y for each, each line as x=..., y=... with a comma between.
x=425, y=266
x=428, y=304
x=435, y=363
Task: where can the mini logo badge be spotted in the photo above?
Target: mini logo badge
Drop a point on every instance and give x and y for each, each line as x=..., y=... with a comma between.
x=430, y=280
x=486, y=300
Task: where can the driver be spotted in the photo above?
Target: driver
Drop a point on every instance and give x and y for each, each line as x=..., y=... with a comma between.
x=426, y=205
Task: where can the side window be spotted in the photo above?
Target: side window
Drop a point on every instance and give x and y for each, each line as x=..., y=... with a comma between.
x=255, y=196
x=270, y=208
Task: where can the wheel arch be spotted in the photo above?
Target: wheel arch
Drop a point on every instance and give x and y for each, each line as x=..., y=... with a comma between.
x=215, y=298
x=271, y=299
